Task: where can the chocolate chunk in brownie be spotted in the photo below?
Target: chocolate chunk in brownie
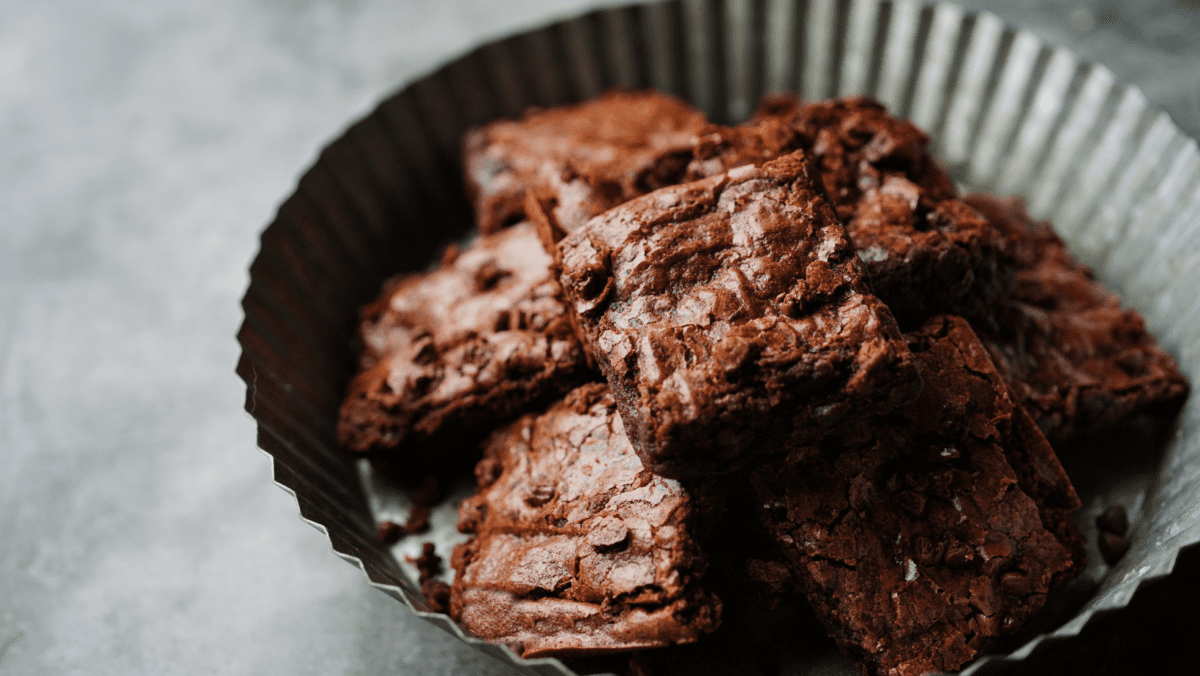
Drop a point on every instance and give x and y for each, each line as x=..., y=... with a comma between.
x=921, y=539
x=730, y=316
x=481, y=339
x=579, y=160
x=927, y=252
x=577, y=549
x=1072, y=356
x=429, y=564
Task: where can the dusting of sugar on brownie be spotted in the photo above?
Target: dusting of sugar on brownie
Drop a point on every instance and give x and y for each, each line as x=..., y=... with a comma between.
x=576, y=548
x=731, y=316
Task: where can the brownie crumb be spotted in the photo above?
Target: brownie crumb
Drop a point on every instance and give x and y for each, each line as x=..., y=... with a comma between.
x=391, y=532
x=418, y=520
x=429, y=564
x=437, y=595
x=428, y=493
x=1114, y=520
x=1112, y=548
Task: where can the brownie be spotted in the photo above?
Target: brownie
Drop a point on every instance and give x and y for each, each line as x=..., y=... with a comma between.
x=1071, y=354
x=480, y=339
x=731, y=316
x=576, y=548
x=922, y=538
x=580, y=160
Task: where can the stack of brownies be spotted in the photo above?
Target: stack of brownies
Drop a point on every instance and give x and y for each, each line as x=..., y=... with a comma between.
x=665, y=321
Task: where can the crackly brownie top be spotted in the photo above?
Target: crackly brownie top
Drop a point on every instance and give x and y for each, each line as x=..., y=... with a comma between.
x=472, y=342
x=731, y=308
x=926, y=251
x=938, y=529
x=857, y=144
x=577, y=548
x=1076, y=360
x=579, y=160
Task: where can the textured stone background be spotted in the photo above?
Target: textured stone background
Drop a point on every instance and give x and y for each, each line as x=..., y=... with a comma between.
x=143, y=146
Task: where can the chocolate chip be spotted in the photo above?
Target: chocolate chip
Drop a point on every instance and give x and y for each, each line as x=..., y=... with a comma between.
x=1114, y=520
x=390, y=532
x=1112, y=548
x=539, y=495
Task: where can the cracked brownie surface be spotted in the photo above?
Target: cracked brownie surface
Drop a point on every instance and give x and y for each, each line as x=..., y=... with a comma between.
x=927, y=252
x=577, y=549
x=579, y=160
x=1071, y=355
x=924, y=537
x=731, y=315
x=478, y=340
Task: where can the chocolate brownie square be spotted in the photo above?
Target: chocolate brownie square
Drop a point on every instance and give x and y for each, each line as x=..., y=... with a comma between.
x=577, y=549
x=1072, y=356
x=579, y=160
x=730, y=316
x=922, y=538
x=480, y=339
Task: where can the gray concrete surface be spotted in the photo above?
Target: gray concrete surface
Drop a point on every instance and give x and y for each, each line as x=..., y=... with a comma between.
x=143, y=146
